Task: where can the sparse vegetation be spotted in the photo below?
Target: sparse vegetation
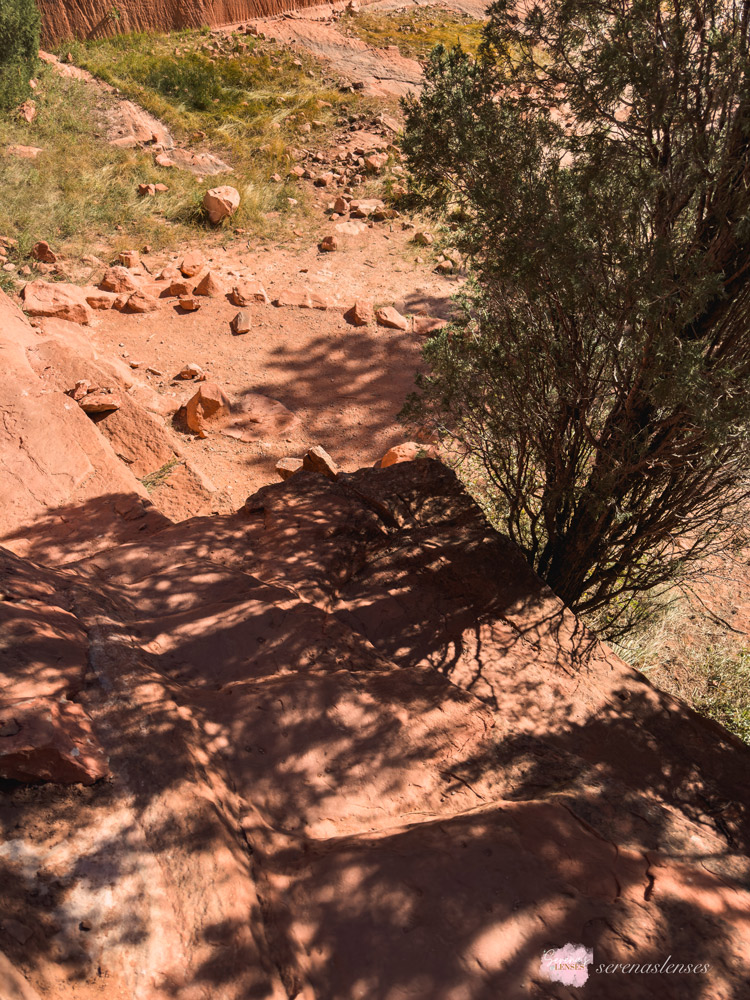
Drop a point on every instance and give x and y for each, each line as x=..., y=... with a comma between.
x=155, y=479
x=248, y=103
x=19, y=44
x=416, y=32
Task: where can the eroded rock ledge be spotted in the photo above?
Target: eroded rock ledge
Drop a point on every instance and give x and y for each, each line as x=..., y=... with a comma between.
x=355, y=749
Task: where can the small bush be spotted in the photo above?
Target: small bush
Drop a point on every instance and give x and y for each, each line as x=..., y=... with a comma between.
x=19, y=47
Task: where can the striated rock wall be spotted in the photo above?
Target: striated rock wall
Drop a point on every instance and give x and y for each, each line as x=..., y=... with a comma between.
x=95, y=18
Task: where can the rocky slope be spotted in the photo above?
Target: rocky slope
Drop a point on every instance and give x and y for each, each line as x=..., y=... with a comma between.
x=339, y=744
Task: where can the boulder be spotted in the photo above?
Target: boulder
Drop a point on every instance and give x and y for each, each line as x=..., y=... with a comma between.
x=221, y=203
x=64, y=301
x=210, y=285
x=317, y=459
x=391, y=318
x=246, y=292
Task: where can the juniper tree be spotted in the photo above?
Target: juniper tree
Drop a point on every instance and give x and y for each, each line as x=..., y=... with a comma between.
x=19, y=47
x=594, y=162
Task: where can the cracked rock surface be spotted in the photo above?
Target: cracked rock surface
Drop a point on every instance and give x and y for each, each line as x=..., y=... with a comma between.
x=355, y=748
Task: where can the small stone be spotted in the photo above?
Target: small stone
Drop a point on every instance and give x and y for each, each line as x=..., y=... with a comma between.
x=192, y=263
x=43, y=252
x=129, y=258
x=423, y=239
x=210, y=285
x=323, y=180
x=360, y=313
x=246, y=292
x=328, y=244
x=140, y=302
x=146, y=190
x=445, y=267
x=317, y=459
x=27, y=111
x=391, y=318
x=221, y=203
x=100, y=401
x=192, y=371
x=178, y=289
x=241, y=324
x=120, y=280
x=286, y=467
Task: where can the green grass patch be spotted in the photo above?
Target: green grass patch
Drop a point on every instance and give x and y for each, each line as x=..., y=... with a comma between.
x=248, y=101
x=416, y=32
x=155, y=479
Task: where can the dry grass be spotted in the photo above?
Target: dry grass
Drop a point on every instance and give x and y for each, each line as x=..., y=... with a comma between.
x=416, y=32
x=689, y=654
x=251, y=104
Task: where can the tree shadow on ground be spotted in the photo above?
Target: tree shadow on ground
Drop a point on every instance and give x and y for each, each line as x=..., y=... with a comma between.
x=306, y=789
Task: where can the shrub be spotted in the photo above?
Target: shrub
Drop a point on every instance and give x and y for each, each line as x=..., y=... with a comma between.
x=19, y=47
x=594, y=162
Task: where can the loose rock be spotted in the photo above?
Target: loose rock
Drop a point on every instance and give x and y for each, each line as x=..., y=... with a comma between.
x=221, y=203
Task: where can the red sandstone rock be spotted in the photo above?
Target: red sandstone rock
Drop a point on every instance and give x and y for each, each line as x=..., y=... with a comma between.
x=391, y=318
x=209, y=405
x=317, y=459
x=42, y=298
x=210, y=285
x=249, y=291
x=141, y=302
x=99, y=401
x=286, y=467
x=221, y=203
x=45, y=740
x=328, y=244
x=425, y=326
x=119, y=279
x=43, y=251
x=302, y=298
x=360, y=314
x=192, y=263
x=406, y=452
x=130, y=258
x=241, y=323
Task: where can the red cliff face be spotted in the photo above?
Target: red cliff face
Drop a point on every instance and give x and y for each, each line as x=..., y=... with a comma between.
x=94, y=18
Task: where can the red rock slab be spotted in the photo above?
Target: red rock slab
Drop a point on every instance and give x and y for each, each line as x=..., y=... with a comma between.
x=49, y=740
x=43, y=653
x=64, y=301
x=467, y=906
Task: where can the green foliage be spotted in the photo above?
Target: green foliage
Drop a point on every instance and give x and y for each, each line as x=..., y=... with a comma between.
x=592, y=161
x=19, y=45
